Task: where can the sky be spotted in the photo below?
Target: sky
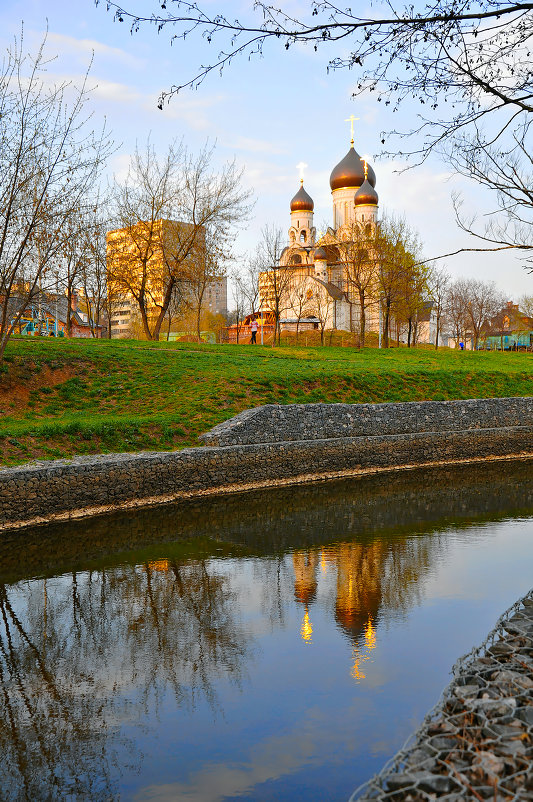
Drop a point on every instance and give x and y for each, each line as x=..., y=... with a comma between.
x=269, y=114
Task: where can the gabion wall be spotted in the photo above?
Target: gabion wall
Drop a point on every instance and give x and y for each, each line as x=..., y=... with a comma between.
x=477, y=743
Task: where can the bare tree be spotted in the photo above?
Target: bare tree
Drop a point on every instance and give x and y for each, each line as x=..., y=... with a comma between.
x=456, y=311
x=412, y=299
x=507, y=170
x=94, y=273
x=135, y=262
x=240, y=302
x=166, y=212
x=357, y=255
x=461, y=62
x=301, y=302
x=248, y=280
x=205, y=267
x=275, y=278
x=246, y=288
x=50, y=161
x=525, y=304
x=323, y=303
x=471, y=304
x=466, y=65
x=74, y=256
x=396, y=246
x=438, y=284
x=483, y=301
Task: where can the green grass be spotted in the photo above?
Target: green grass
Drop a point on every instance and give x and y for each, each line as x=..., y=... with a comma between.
x=60, y=398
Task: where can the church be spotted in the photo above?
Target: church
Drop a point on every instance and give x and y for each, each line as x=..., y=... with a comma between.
x=312, y=283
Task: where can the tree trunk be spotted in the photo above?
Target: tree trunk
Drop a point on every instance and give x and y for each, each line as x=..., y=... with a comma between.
x=198, y=316
x=385, y=341
x=409, y=332
x=362, y=319
x=68, y=321
x=157, y=328
x=144, y=319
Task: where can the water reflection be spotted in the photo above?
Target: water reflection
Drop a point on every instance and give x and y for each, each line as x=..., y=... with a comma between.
x=170, y=646
x=86, y=652
x=272, y=521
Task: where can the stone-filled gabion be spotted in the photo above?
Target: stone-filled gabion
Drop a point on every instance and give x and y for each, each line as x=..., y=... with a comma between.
x=269, y=445
x=272, y=423
x=477, y=743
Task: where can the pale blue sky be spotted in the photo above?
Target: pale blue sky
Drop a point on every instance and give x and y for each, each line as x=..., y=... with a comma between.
x=268, y=113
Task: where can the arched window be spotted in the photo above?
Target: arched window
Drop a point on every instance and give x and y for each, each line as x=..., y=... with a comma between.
x=302, y=235
x=296, y=259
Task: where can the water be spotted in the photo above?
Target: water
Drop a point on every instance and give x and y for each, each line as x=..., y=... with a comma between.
x=270, y=646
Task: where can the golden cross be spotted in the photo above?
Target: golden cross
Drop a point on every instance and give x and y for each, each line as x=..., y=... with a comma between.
x=363, y=159
x=351, y=119
x=301, y=168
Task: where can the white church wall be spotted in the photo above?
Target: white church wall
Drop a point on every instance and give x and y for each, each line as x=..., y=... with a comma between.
x=343, y=208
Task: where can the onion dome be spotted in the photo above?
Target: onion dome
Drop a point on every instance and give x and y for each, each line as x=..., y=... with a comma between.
x=350, y=172
x=320, y=255
x=302, y=202
x=366, y=195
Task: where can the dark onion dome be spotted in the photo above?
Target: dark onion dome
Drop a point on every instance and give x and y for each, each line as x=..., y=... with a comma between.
x=302, y=202
x=320, y=255
x=366, y=195
x=350, y=172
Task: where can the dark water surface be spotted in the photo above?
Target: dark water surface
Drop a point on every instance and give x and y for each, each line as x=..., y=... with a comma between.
x=277, y=645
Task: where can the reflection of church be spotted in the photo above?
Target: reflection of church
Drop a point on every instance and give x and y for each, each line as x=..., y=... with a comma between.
x=358, y=571
x=371, y=580
x=315, y=281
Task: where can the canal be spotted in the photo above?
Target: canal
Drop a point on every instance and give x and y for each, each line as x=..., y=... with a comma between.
x=274, y=645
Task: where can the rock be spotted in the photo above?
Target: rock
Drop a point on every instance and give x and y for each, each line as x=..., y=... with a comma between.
x=466, y=691
x=436, y=783
x=525, y=714
x=489, y=764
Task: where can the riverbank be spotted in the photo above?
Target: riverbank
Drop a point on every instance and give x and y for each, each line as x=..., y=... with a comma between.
x=269, y=446
x=477, y=743
x=66, y=398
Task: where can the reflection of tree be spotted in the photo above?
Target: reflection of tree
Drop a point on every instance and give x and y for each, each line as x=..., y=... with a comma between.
x=52, y=726
x=83, y=652
x=80, y=652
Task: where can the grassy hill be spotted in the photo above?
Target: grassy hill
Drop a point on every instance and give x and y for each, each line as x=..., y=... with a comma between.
x=64, y=397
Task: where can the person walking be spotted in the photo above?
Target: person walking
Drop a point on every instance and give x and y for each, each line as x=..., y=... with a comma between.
x=253, y=327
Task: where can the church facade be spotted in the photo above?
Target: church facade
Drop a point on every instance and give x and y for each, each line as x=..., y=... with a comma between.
x=312, y=276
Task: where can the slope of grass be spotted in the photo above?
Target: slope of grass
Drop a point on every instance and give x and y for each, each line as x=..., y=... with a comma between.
x=60, y=398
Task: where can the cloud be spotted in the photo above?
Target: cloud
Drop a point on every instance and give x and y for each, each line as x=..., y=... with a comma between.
x=269, y=760
x=191, y=111
x=120, y=164
x=412, y=190
x=81, y=48
x=114, y=92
